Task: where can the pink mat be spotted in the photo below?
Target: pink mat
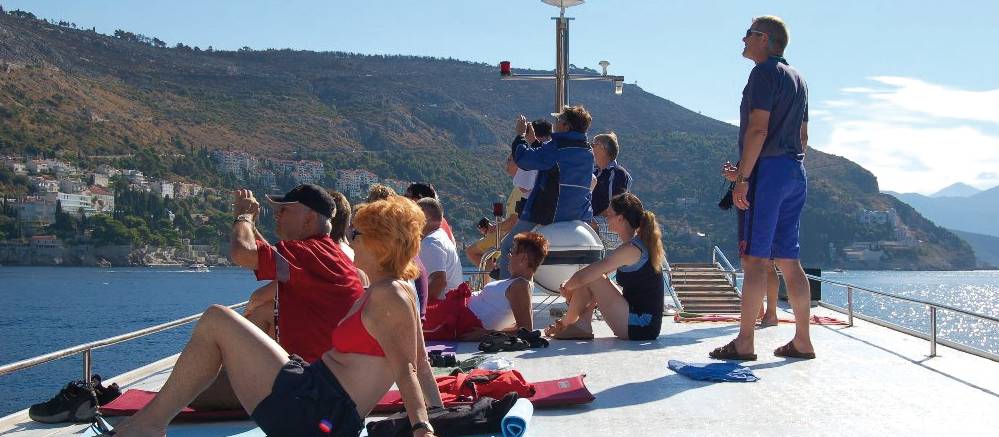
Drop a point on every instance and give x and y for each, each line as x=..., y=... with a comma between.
x=134, y=400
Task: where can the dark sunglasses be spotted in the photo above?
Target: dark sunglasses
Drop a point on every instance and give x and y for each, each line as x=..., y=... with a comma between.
x=749, y=32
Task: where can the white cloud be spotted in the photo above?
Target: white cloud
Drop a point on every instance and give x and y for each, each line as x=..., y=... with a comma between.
x=915, y=136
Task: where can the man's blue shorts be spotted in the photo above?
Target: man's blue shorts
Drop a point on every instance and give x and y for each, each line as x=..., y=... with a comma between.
x=769, y=228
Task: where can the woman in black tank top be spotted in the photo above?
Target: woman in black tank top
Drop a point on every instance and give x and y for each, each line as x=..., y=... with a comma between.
x=632, y=307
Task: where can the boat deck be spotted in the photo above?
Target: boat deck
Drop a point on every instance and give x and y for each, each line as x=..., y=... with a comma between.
x=867, y=380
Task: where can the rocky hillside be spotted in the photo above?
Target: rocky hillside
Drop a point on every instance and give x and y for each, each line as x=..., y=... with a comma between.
x=75, y=93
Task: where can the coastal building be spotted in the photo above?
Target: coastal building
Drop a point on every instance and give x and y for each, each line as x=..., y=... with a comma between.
x=310, y=171
x=108, y=171
x=74, y=203
x=869, y=217
x=163, y=188
x=36, y=212
x=235, y=163
x=36, y=166
x=71, y=185
x=184, y=190
x=863, y=252
x=44, y=184
x=15, y=165
x=100, y=180
x=101, y=199
x=135, y=177
x=354, y=182
x=267, y=178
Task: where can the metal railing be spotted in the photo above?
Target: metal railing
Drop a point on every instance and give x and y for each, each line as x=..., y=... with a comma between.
x=668, y=277
x=719, y=259
x=933, y=335
x=87, y=348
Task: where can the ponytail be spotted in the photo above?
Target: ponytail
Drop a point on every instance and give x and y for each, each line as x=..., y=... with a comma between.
x=644, y=221
x=651, y=236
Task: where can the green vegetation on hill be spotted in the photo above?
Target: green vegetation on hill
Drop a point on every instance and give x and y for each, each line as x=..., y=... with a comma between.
x=68, y=92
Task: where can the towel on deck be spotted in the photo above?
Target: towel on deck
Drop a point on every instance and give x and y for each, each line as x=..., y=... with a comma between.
x=715, y=372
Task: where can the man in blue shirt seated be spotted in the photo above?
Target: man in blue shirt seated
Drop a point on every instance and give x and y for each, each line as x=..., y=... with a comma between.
x=565, y=165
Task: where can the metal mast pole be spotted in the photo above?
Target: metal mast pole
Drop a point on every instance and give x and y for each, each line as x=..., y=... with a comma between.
x=561, y=61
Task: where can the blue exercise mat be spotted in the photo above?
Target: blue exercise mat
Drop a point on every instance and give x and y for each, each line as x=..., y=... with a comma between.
x=516, y=421
x=715, y=372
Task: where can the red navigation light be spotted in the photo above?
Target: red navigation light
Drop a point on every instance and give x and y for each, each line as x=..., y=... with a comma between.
x=498, y=209
x=504, y=68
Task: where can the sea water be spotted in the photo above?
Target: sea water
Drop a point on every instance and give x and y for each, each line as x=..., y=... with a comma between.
x=51, y=308
x=46, y=309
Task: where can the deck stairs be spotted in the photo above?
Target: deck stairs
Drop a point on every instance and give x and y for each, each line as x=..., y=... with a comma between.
x=704, y=288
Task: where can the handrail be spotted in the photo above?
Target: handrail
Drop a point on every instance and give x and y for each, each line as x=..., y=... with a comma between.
x=907, y=299
x=669, y=284
x=717, y=253
x=86, y=348
x=932, y=337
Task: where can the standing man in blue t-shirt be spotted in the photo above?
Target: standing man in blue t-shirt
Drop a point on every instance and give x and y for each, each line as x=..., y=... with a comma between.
x=770, y=186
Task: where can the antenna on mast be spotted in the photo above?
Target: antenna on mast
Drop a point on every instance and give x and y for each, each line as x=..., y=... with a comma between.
x=562, y=76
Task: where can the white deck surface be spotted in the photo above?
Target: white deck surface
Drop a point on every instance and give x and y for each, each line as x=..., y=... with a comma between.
x=867, y=380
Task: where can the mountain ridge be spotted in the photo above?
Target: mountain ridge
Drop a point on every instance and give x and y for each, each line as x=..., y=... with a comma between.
x=957, y=189
x=73, y=93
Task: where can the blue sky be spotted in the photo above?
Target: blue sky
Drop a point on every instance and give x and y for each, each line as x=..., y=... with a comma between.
x=910, y=90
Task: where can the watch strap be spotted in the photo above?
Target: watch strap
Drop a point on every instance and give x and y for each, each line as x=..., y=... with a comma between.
x=422, y=425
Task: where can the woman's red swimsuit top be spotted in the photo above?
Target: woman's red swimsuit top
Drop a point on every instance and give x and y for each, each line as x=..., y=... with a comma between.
x=351, y=337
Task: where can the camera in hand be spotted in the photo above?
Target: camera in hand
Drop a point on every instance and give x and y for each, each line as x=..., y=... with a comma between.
x=726, y=201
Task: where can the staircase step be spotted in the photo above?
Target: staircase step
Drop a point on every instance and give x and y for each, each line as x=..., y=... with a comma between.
x=696, y=294
x=713, y=310
x=720, y=290
x=705, y=301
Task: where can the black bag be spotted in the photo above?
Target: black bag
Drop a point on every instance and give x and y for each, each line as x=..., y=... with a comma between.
x=483, y=417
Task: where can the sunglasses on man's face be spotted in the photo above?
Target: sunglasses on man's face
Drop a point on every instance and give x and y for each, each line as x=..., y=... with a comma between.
x=750, y=32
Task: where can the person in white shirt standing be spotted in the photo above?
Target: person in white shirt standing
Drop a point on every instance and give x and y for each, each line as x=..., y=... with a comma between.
x=437, y=252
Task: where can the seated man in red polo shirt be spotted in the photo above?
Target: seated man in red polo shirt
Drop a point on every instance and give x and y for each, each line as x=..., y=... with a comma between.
x=316, y=282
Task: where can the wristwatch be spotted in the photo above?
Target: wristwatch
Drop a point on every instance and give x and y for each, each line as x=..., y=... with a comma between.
x=244, y=218
x=422, y=425
x=739, y=179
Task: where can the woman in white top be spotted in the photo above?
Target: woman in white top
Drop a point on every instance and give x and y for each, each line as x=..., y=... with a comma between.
x=503, y=305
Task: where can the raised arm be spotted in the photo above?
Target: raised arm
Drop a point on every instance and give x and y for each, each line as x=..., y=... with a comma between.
x=242, y=242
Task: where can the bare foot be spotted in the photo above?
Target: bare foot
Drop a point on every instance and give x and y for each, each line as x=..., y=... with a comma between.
x=767, y=321
x=135, y=428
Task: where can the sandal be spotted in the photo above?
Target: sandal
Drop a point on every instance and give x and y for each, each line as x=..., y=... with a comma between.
x=498, y=341
x=789, y=351
x=533, y=338
x=728, y=352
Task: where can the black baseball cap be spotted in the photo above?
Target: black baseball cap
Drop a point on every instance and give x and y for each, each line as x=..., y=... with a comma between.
x=313, y=196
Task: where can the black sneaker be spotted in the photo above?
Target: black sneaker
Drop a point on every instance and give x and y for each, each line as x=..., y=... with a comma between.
x=75, y=403
x=104, y=394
